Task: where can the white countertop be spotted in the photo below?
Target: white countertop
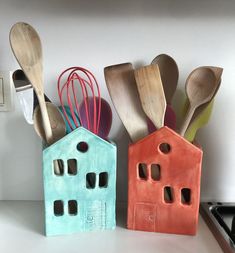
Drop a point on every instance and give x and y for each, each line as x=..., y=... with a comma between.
x=22, y=230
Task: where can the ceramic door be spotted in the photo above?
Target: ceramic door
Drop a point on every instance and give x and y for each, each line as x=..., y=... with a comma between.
x=95, y=215
x=145, y=217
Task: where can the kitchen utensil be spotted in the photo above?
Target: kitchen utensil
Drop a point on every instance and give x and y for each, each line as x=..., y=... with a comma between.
x=200, y=87
x=169, y=120
x=152, y=98
x=26, y=46
x=202, y=114
x=151, y=93
x=105, y=116
x=24, y=92
x=57, y=125
x=68, y=113
x=56, y=121
x=201, y=120
x=169, y=76
x=121, y=84
x=26, y=95
x=35, y=99
x=83, y=78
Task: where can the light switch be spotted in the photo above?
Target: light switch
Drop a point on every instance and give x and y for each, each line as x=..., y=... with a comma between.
x=6, y=91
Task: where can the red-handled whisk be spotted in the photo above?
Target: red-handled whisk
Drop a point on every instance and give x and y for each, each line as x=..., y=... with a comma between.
x=67, y=85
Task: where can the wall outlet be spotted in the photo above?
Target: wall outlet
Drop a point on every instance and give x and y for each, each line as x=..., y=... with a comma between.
x=6, y=91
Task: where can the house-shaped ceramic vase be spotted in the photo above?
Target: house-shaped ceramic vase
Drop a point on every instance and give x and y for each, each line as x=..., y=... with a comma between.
x=164, y=172
x=81, y=197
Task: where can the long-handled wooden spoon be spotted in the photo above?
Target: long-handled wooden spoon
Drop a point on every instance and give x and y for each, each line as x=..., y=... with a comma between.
x=26, y=46
x=121, y=84
x=58, y=128
x=202, y=114
x=200, y=88
x=149, y=84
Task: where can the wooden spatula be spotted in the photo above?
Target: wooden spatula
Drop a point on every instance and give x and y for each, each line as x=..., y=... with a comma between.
x=149, y=84
x=121, y=84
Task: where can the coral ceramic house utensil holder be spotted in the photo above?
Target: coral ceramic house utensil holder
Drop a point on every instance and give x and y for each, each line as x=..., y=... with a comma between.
x=82, y=199
x=164, y=173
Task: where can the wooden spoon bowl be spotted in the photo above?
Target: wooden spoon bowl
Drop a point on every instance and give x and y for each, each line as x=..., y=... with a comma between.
x=56, y=120
x=200, y=88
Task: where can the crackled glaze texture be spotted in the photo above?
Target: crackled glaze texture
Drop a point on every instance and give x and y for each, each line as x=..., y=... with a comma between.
x=95, y=207
x=179, y=168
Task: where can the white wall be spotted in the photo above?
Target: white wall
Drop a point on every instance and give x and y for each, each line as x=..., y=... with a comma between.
x=95, y=34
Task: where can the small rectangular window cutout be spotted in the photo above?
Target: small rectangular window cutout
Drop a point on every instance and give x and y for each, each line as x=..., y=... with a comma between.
x=168, y=194
x=103, y=179
x=186, y=196
x=90, y=180
x=73, y=207
x=142, y=171
x=58, y=167
x=58, y=208
x=72, y=167
x=155, y=172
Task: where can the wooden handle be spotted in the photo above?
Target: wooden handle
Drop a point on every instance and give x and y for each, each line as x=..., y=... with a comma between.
x=151, y=93
x=45, y=119
x=187, y=120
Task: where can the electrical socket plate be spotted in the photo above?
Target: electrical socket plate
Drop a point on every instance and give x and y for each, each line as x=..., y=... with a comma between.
x=6, y=91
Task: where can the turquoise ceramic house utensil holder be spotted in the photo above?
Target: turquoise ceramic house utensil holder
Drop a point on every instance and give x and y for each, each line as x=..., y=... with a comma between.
x=82, y=197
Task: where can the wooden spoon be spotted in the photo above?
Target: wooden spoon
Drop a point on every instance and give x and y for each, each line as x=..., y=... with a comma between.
x=56, y=121
x=121, y=84
x=149, y=84
x=200, y=88
x=200, y=121
x=218, y=73
x=202, y=114
x=26, y=46
x=58, y=129
x=169, y=74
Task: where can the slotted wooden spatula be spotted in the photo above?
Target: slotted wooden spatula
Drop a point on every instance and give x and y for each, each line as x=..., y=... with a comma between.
x=151, y=93
x=121, y=84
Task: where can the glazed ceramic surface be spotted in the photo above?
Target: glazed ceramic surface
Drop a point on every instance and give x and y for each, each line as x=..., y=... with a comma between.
x=86, y=196
x=178, y=163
